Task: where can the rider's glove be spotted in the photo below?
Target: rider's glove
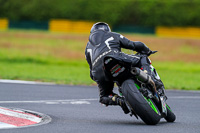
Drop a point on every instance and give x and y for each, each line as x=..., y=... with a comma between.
x=142, y=48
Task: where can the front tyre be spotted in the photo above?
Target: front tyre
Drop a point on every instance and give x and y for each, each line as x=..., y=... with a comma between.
x=170, y=115
x=141, y=106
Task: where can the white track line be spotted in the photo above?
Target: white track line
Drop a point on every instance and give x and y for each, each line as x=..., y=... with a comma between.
x=84, y=101
x=23, y=82
x=51, y=101
x=185, y=97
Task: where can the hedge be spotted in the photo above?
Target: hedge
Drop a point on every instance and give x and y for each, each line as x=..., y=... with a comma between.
x=115, y=12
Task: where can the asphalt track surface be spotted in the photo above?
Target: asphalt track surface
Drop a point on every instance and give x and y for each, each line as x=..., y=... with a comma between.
x=75, y=109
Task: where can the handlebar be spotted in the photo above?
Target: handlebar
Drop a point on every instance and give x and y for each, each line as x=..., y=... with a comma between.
x=152, y=52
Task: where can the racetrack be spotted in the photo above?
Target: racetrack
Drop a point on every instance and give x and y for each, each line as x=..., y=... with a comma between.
x=76, y=109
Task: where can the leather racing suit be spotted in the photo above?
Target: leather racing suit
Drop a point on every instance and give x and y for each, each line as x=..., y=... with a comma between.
x=102, y=43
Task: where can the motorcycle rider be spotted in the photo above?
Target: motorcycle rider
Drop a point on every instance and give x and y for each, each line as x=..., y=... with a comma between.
x=103, y=42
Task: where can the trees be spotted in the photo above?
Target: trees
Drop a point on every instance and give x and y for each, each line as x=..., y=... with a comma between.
x=114, y=12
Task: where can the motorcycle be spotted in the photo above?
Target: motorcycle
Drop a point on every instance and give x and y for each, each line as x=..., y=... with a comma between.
x=139, y=91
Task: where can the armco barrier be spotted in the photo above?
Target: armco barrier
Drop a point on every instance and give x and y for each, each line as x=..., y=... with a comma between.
x=29, y=25
x=192, y=32
x=63, y=25
x=69, y=26
x=3, y=23
x=134, y=29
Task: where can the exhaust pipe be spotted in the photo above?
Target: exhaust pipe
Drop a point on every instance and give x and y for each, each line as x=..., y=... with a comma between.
x=143, y=77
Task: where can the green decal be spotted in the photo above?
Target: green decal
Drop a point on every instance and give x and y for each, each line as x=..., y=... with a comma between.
x=169, y=108
x=137, y=86
x=149, y=101
x=152, y=105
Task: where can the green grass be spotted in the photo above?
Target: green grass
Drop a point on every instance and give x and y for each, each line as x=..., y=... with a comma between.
x=174, y=75
x=59, y=58
x=179, y=75
x=67, y=72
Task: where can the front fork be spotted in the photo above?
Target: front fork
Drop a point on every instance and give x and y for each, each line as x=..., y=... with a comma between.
x=163, y=106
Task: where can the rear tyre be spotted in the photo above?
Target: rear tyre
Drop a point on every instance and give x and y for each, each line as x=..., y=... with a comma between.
x=170, y=115
x=139, y=104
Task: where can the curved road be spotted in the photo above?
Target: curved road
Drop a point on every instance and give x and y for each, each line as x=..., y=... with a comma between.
x=75, y=109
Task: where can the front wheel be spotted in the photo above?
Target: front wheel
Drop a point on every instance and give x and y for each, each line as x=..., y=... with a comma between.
x=144, y=108
x=170, y=115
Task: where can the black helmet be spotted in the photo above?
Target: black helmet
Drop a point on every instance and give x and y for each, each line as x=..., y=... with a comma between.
x=100, y=26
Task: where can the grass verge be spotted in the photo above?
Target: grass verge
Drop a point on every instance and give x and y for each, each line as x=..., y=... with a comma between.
x=179, y=75
x=175, y=75
x=59, y=58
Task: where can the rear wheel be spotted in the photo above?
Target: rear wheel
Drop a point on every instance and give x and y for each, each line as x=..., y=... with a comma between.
x=144, y=108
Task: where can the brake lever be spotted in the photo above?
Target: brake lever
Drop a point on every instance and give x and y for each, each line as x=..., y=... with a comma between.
x=153, y=52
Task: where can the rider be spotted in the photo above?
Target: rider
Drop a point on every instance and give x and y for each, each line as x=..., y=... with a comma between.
x=103, y=42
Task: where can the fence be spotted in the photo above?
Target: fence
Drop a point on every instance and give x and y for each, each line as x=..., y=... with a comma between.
x=193, y=32
x=68, y=26
x=4, y=24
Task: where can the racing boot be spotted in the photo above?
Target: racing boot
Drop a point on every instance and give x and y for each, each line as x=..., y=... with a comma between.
x=121, y=102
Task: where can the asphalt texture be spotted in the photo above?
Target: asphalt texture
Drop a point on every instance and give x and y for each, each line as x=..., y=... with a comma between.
x=75, y=109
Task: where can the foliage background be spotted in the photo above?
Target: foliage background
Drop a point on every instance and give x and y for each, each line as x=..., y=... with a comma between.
x=115, y=12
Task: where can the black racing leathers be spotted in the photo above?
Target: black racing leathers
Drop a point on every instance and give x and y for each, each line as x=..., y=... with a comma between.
x=101, y=44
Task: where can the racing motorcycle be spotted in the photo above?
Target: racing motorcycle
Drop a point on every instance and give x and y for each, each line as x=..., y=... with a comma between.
x=139, y=91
